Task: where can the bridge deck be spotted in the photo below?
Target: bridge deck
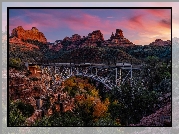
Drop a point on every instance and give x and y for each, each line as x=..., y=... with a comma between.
x=118, y=65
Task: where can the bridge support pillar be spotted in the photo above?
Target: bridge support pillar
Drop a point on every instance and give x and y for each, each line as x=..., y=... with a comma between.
x=96, y=71
x=131, y=75
x=116, y=76
x=48, y=68
x=91, y=70
x=77, y=70
x=120, y=75
x=42, y=69
x=70, y=70
x=55, y=70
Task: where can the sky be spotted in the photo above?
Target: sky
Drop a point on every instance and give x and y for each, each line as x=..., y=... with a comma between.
x=141, y=26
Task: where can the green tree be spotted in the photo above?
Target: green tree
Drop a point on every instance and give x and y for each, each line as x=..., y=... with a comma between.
x=15, y=62
x=16, y=118
x=106, y=121
x=131, y=103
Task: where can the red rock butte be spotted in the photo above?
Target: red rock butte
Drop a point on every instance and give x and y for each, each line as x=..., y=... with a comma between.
x=32, y=34
x=118, y=38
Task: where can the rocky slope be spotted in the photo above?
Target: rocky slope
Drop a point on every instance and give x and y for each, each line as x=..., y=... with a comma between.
x=161, y=117
x=19, y=42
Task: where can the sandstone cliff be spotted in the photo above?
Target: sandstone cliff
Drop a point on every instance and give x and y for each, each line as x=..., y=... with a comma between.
x=25, y=35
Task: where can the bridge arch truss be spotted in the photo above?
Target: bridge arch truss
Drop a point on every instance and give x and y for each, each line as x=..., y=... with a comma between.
x=110, y=76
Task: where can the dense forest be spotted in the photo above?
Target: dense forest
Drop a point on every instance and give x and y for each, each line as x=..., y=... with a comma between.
x=93, y=105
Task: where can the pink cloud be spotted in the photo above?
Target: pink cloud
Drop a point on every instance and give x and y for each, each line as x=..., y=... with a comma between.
x=88, y=22
x=39, y=18
x=18, y=22
x=137, y=19
x=165, y=23
x=36, y=20
x=140, y=21
x=159, y=12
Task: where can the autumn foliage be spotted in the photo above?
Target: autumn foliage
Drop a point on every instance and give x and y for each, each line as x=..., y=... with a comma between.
x=87, y=97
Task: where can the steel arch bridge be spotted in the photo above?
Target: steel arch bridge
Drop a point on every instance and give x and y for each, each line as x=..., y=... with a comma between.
x=109, y=75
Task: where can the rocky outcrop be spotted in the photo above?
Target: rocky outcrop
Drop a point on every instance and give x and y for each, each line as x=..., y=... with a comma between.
x=32, y=34
x=159, y=42
x=75, y=37
x=95, y=36
x=118, y=39
x=118, y=34
x=92, y=39
x=77, y=41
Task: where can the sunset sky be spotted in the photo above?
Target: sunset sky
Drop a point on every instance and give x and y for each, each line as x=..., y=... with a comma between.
x=141, y=26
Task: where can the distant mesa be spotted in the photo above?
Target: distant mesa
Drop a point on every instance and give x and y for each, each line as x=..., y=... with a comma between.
x=160, y=42
x=32, y=34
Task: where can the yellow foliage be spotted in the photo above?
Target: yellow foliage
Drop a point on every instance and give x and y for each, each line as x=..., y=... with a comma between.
x=100, y=110
x=115, y=102
x=94, y=93
x=70, y=83
x=106, y=102
x=91, y=102
x=81, y=85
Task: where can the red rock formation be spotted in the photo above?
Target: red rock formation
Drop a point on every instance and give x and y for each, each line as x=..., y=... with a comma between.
x=32, y=34
x=119, y=33
x=95, y=36
x=118, y=39
x=19, y=42
x=76, y=37
x=159, y=42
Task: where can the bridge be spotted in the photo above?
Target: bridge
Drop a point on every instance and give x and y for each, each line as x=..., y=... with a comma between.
x=109, y=75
